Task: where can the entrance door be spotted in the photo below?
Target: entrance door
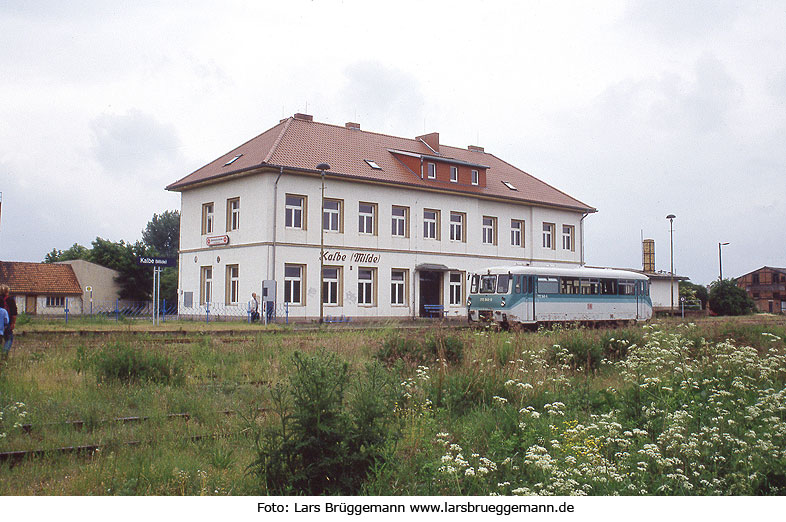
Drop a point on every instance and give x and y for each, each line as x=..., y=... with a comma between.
x=30, y=304
x=430, y=291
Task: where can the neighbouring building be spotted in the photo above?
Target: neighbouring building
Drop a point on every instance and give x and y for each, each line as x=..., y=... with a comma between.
x=51, y=288
x=402, y=223
x=98, y=283
x=42, y=288
x=766, y=286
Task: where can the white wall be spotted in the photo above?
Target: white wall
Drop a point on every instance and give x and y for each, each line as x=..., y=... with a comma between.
x=251, y=249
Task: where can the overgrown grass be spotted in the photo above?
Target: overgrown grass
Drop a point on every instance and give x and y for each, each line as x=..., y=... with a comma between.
x=670, y=409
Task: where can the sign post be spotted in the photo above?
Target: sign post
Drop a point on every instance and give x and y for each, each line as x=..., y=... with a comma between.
x=158, y=264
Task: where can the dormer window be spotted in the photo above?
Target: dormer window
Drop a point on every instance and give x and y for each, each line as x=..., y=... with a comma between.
x=454, y=174
x=475, y=177
x=230, y=162
x=432, y=171
x=373, y=164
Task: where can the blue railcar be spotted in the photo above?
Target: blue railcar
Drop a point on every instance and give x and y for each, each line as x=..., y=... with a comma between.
x=525, y=295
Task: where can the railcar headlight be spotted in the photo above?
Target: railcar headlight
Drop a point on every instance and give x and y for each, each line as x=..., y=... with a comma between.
x=502, y=302
x=469, y=302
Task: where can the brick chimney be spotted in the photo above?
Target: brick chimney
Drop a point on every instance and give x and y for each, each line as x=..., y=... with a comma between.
x=474, y=148
x=352, y=125
x=432, y=140
x=303, y=117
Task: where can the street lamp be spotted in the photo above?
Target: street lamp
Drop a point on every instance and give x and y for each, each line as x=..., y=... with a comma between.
x=720, y=261
x=322, y=167
x=671, y=217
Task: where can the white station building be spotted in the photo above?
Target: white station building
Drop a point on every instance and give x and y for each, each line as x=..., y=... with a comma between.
x=404, y=220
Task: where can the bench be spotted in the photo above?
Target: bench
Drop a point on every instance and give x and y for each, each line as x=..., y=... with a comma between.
x=432, y=309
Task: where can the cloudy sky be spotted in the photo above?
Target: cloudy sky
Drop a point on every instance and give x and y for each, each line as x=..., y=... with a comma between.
x=640, y=109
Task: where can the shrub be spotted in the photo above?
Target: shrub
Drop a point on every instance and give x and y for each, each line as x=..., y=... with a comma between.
x=419, y=349
x=325, y=440
x=726, y=298
x=121, y=362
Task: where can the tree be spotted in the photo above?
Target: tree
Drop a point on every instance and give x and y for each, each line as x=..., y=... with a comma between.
x=162, y=233
x=135, y=280
x=726, y=298
x=76, y=251
x=162, y=236
x=693, y=292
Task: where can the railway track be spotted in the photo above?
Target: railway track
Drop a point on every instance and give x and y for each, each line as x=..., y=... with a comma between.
x=14, y=458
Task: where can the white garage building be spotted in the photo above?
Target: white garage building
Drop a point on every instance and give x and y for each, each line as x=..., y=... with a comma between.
x=404, y=220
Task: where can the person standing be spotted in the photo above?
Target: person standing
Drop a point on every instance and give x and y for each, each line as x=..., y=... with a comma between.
x=8, y=303
x=254, y=306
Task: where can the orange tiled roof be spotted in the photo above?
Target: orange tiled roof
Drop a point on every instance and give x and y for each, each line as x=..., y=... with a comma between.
x=298, y=143
x=39, y=278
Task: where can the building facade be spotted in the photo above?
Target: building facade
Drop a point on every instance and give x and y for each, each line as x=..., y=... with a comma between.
x=41, y=288
x=766, y=286
x=390, y=231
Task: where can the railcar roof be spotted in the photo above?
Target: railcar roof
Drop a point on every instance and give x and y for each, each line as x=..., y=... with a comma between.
x=598, y=273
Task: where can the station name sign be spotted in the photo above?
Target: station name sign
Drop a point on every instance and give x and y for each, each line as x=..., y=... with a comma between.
x=357, y=257
x=157, y=261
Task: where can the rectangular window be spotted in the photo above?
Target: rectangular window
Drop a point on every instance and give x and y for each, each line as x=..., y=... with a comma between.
x=548, y=285
x=367, y=218
x=233, y=214
x=454, y=174
x=332, y=216
x=489, y=230
x=400, y=222
x=331, y=285
x=516, y=232
x=456, y=287
x=293, y=284
x=295, y=210
x=431, y=224
x=366, y=286
x=457, y=220
x=567, y=237
x=232, y=285
x=432, y=170
x=548, y=235
x=398, y=287
x=475, y=177
x=55, y=301
x=207, y=218
x=206, y=285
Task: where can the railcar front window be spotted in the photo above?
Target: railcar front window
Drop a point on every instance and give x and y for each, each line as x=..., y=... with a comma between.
x=488, y=284
x=503, y=284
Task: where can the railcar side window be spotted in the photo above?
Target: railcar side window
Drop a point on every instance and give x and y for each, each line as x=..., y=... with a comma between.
x=474, y=284
x=503, y=284
x=517, y=283
x=488, y=284
x=608, y=286
x=548, y=285
x=569, y=285
x=590, y=287
x=627, y=288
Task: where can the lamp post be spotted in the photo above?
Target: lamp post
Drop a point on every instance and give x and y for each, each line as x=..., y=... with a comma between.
x=322, y=167
x=720, y=261
x=671, y=217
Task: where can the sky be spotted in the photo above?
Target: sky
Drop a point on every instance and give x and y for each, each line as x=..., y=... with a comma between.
x=640, y=109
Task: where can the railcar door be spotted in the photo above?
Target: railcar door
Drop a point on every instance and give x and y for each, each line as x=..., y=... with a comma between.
x=640, y=312
x=524, y=287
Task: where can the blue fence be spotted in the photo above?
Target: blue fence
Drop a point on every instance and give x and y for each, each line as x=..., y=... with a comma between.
x=119, y=310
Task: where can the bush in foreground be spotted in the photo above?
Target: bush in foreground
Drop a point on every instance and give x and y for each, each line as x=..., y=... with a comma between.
x=330, y=429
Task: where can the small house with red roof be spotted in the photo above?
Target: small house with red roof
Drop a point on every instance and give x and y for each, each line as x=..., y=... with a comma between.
x=42, y=288
x=390, y=230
